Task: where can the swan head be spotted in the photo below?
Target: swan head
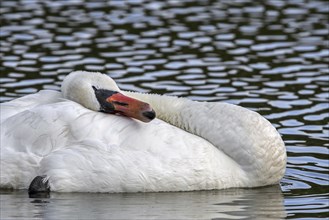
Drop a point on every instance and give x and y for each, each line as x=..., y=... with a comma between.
x=99, y=92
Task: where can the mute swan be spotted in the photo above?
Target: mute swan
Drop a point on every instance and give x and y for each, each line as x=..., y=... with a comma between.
x=191, y=145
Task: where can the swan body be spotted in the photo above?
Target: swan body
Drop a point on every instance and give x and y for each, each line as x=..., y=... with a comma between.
x=189, y=146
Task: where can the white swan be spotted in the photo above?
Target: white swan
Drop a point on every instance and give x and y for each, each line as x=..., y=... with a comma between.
x=189, y=146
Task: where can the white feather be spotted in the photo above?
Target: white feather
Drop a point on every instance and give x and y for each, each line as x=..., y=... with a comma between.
x=192, y=146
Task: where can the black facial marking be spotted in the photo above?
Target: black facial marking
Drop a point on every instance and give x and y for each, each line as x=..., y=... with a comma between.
x=102, y=95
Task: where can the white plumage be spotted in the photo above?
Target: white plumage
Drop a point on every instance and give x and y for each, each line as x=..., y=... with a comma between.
x=189, y=146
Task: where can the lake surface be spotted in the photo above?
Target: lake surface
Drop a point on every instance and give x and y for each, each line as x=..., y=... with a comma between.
x=269, y=56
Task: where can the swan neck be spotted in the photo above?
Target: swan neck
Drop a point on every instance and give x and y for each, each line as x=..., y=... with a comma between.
x=243, y=135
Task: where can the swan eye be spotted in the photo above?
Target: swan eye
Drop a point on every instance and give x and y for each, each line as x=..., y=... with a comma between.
x=102, y=95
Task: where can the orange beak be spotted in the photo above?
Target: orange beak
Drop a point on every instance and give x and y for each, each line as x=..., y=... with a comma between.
x=124, y=105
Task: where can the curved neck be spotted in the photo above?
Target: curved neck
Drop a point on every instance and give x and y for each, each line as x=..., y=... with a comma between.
x=243, y=135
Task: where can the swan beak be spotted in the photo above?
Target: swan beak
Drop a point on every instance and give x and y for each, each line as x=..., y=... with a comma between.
x=130, y=107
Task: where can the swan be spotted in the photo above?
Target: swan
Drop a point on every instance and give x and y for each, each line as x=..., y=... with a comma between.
x=93, y=137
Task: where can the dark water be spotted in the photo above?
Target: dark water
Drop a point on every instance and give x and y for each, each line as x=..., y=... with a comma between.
x=270, y=56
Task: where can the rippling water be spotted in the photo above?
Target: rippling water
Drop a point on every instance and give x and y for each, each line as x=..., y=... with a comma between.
x=269, y=56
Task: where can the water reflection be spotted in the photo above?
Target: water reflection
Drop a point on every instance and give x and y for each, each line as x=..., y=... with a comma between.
x=258, y=203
